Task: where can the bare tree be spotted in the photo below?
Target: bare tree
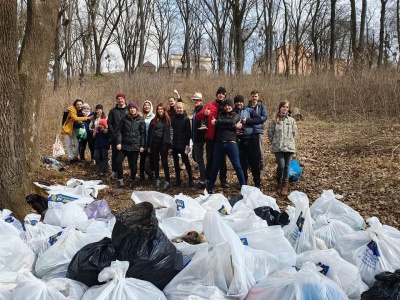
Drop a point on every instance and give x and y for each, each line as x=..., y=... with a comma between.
x=382, y=32
x=333, y=37
x=398, y=27
x=22, y=81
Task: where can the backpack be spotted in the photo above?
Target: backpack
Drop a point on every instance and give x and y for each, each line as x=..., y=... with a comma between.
x=64, y=117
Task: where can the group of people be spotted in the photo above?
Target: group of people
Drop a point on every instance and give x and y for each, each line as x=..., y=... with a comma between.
x=217, y=129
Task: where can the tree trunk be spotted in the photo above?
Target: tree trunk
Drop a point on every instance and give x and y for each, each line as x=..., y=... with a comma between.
x=353, y=29
x=23, y=85
x=361, y=40
x=333, y=37
x=381, y=32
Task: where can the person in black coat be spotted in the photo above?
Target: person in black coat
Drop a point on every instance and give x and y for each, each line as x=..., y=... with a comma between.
x=159, y=143
x=181, y=140
x=130, y=140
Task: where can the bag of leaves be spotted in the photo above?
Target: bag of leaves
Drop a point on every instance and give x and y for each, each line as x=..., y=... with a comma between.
x=138, y=239
x=386, y=287
x=88, y=262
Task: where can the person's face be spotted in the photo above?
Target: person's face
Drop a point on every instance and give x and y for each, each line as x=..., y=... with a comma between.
x=221, y=97
x=254, y=98
x=284, y=109
x=239, y=105
x=171, y=102
x=101, y=127
x=197, y=102
x=146, y=107
x=179, y=109
x=120, y=101
x=160, y=111
x=99, y=111
x=133, y=111
x=78, y=105
x=227, y=108
x=86, y=110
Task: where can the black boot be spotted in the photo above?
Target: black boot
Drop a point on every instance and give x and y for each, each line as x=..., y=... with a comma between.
x=141, y=176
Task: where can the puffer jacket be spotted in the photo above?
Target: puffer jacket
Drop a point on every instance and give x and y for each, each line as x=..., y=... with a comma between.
x=131, y=133
x=282, y=135
x=114, y=119
x=182, y=131
x=226, y=127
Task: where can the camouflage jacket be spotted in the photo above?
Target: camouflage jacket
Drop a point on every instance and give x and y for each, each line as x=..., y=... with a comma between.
x=282, y=135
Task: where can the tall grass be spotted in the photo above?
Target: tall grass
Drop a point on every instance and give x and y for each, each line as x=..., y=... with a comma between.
x=367, y=96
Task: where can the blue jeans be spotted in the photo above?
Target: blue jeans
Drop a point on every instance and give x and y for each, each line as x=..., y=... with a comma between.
x=232, y=151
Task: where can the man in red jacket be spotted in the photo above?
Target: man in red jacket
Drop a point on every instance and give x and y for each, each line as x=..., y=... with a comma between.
x=210, y=111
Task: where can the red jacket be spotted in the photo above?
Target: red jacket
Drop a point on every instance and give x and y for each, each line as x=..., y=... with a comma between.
x=213, y=107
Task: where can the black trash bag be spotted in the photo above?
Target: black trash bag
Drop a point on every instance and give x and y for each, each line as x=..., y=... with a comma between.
x=147, y=166
x=235, y=198
x=138, y=239
x=88, y=262
x=273, y=217
x=386, y=287
x=38, y=203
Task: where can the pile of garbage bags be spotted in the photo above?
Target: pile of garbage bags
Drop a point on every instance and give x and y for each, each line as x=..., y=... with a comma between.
x=210, y=247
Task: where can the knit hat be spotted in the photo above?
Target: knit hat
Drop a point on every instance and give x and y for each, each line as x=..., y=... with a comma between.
x=221, y=90
x=85, y=105
x=103, y=122
x=120, y=95
x=133, y=104
x=197, y=96
x=99, y=106
x=238, y=98
x=227, y=102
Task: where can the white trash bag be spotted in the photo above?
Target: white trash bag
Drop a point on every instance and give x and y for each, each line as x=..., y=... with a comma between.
x=188, y=208
x=330, y=205
x=164, y=204
x=117, y=287
x=15, y=255
x=299, y=231
x=253, y=198
x=372, y=251
x=330, y=229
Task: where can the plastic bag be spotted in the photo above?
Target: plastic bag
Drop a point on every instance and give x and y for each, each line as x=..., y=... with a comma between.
x=295, y=170
x=330, y=206
x=189, y=208
x=336, y=268
x=330, y=229
x=89, y=261
x=99, y=210
x=10, y=225
x=58, y=149
x=138, y=239
x=65, y=215
x=118, y=287
x=215, y=202
x=273, y=217
x=147, y=166
x=299, y=232
x=164, y=204
x=81, y=134
x=372, y=251
x=386, y=286
x=15, y=255
x=253, y=198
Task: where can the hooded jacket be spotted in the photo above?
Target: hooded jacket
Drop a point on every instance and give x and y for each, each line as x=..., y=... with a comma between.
x=147, y=119
x=262, y=111
x=72, y=117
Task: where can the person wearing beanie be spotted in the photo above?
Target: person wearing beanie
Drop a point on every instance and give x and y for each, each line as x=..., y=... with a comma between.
x=147, y=115
x=85, y=111
x=159, y=143
x=226, y=124
x=93, y=125
x=249, y=151
x=115, y=116
x=68, y=129
x=101, y=146
x=208, y=112
x=130, y=140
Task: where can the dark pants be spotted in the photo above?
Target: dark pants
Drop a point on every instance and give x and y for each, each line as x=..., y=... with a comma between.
x=101, y=158
x=198, y=156
x=132, y=162
x=82, y=149
x=143, y=156
x=249, y=154
x=283, y=161
x=185, y=159
x=157, y=150
x=210, y=157
x=114, y=153
x=232, y=151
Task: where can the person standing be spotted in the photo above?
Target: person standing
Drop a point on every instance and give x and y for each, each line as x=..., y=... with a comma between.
x=256, y=104
x=209, y=112
x=172, y=102
x=71, y=139
x=159, y=143
x=115, y=116
x=199, y=140
x=147, y=115
x=85, y=111
x=282, y=130
x=227, y=123
x=101, y=146
x=181, y=140
x=247, y=141
x=130, y=140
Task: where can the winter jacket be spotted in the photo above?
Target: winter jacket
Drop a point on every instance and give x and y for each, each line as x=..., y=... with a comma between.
x=213, y=107
x=131, y=133
x=147, y=121
x=252, y=119
x=102, y=140
x=198, y=136
x=114, y=119
x=182, y=131
x=167, y=136
x=72, y=117
x=226, y=127
x=262, y=111
x=282, y=135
